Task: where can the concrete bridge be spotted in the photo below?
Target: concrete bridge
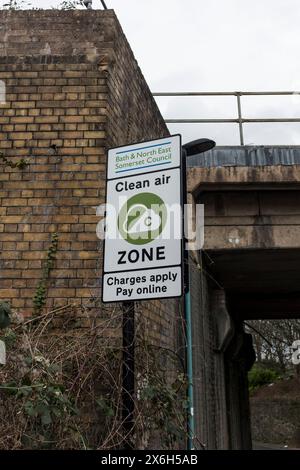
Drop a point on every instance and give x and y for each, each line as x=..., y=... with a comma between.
x=248, y=269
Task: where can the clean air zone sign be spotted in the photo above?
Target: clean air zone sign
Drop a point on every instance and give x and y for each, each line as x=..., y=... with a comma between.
x=144, y=222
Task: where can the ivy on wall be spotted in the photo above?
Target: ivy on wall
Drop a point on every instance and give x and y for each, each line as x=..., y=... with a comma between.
x=40, y=296
x=20, y=164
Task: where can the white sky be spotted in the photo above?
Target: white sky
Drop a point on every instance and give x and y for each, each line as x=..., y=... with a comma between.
x=217, y=45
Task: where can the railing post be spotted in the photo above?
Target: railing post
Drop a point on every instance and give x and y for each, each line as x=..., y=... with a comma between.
x=238, y=97
x=240, y=120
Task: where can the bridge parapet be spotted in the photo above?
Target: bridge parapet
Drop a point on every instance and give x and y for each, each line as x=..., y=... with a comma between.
x=248, y=206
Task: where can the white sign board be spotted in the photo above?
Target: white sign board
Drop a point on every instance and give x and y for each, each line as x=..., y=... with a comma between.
x=144, y=221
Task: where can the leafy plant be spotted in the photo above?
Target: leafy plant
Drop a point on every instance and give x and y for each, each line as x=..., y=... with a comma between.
x=167, y=408
x=40, y=296
x=260, y=375
x=9, y=337
x=70, y=4
x=43, y=399
x=105, y=406
x=63, y=390
x=20, y=164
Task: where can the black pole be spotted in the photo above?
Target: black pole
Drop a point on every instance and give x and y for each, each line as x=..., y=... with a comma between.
x=185, y=240
x=104, y=4
x=128, y=373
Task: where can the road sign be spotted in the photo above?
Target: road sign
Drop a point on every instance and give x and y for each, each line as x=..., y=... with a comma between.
x=143, y=242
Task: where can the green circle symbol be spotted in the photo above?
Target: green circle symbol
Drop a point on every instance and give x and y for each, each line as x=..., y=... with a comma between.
x=142, y=218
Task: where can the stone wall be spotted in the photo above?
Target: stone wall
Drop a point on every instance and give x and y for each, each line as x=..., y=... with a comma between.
x=208, y=366
x=221, y=406
x=276, y=420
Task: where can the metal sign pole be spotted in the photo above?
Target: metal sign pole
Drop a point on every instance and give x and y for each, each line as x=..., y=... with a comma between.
x=128, y=387
x=104, y=4
x=143, y=182
x=188, y=319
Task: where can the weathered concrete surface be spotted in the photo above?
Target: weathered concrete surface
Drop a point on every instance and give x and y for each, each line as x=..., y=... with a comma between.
x=251, y=252
x=248, y=207
x=220, y=364
x=45, y=33
x=202, y=177
x=247, y=155
x=257, y=218
x=252, y=233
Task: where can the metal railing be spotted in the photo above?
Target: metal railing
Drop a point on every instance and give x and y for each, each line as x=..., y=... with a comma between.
x=240, y=120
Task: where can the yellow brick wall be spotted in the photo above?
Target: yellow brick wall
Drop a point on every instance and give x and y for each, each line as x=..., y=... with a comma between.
x=62, y=112
x=61, y=105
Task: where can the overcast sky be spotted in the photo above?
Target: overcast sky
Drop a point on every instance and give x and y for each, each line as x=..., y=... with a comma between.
x=217, y=45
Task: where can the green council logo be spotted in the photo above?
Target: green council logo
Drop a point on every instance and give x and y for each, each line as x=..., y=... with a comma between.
x=142, y=218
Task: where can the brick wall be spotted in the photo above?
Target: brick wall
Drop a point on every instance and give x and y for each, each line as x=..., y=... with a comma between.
x=205, y=373
x=73, y=89
x=221, y=407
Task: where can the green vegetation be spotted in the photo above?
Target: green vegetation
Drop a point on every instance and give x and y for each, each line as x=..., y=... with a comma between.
x=40, y=297
x=62, y=385
x=20, y=164
x=261, y=375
